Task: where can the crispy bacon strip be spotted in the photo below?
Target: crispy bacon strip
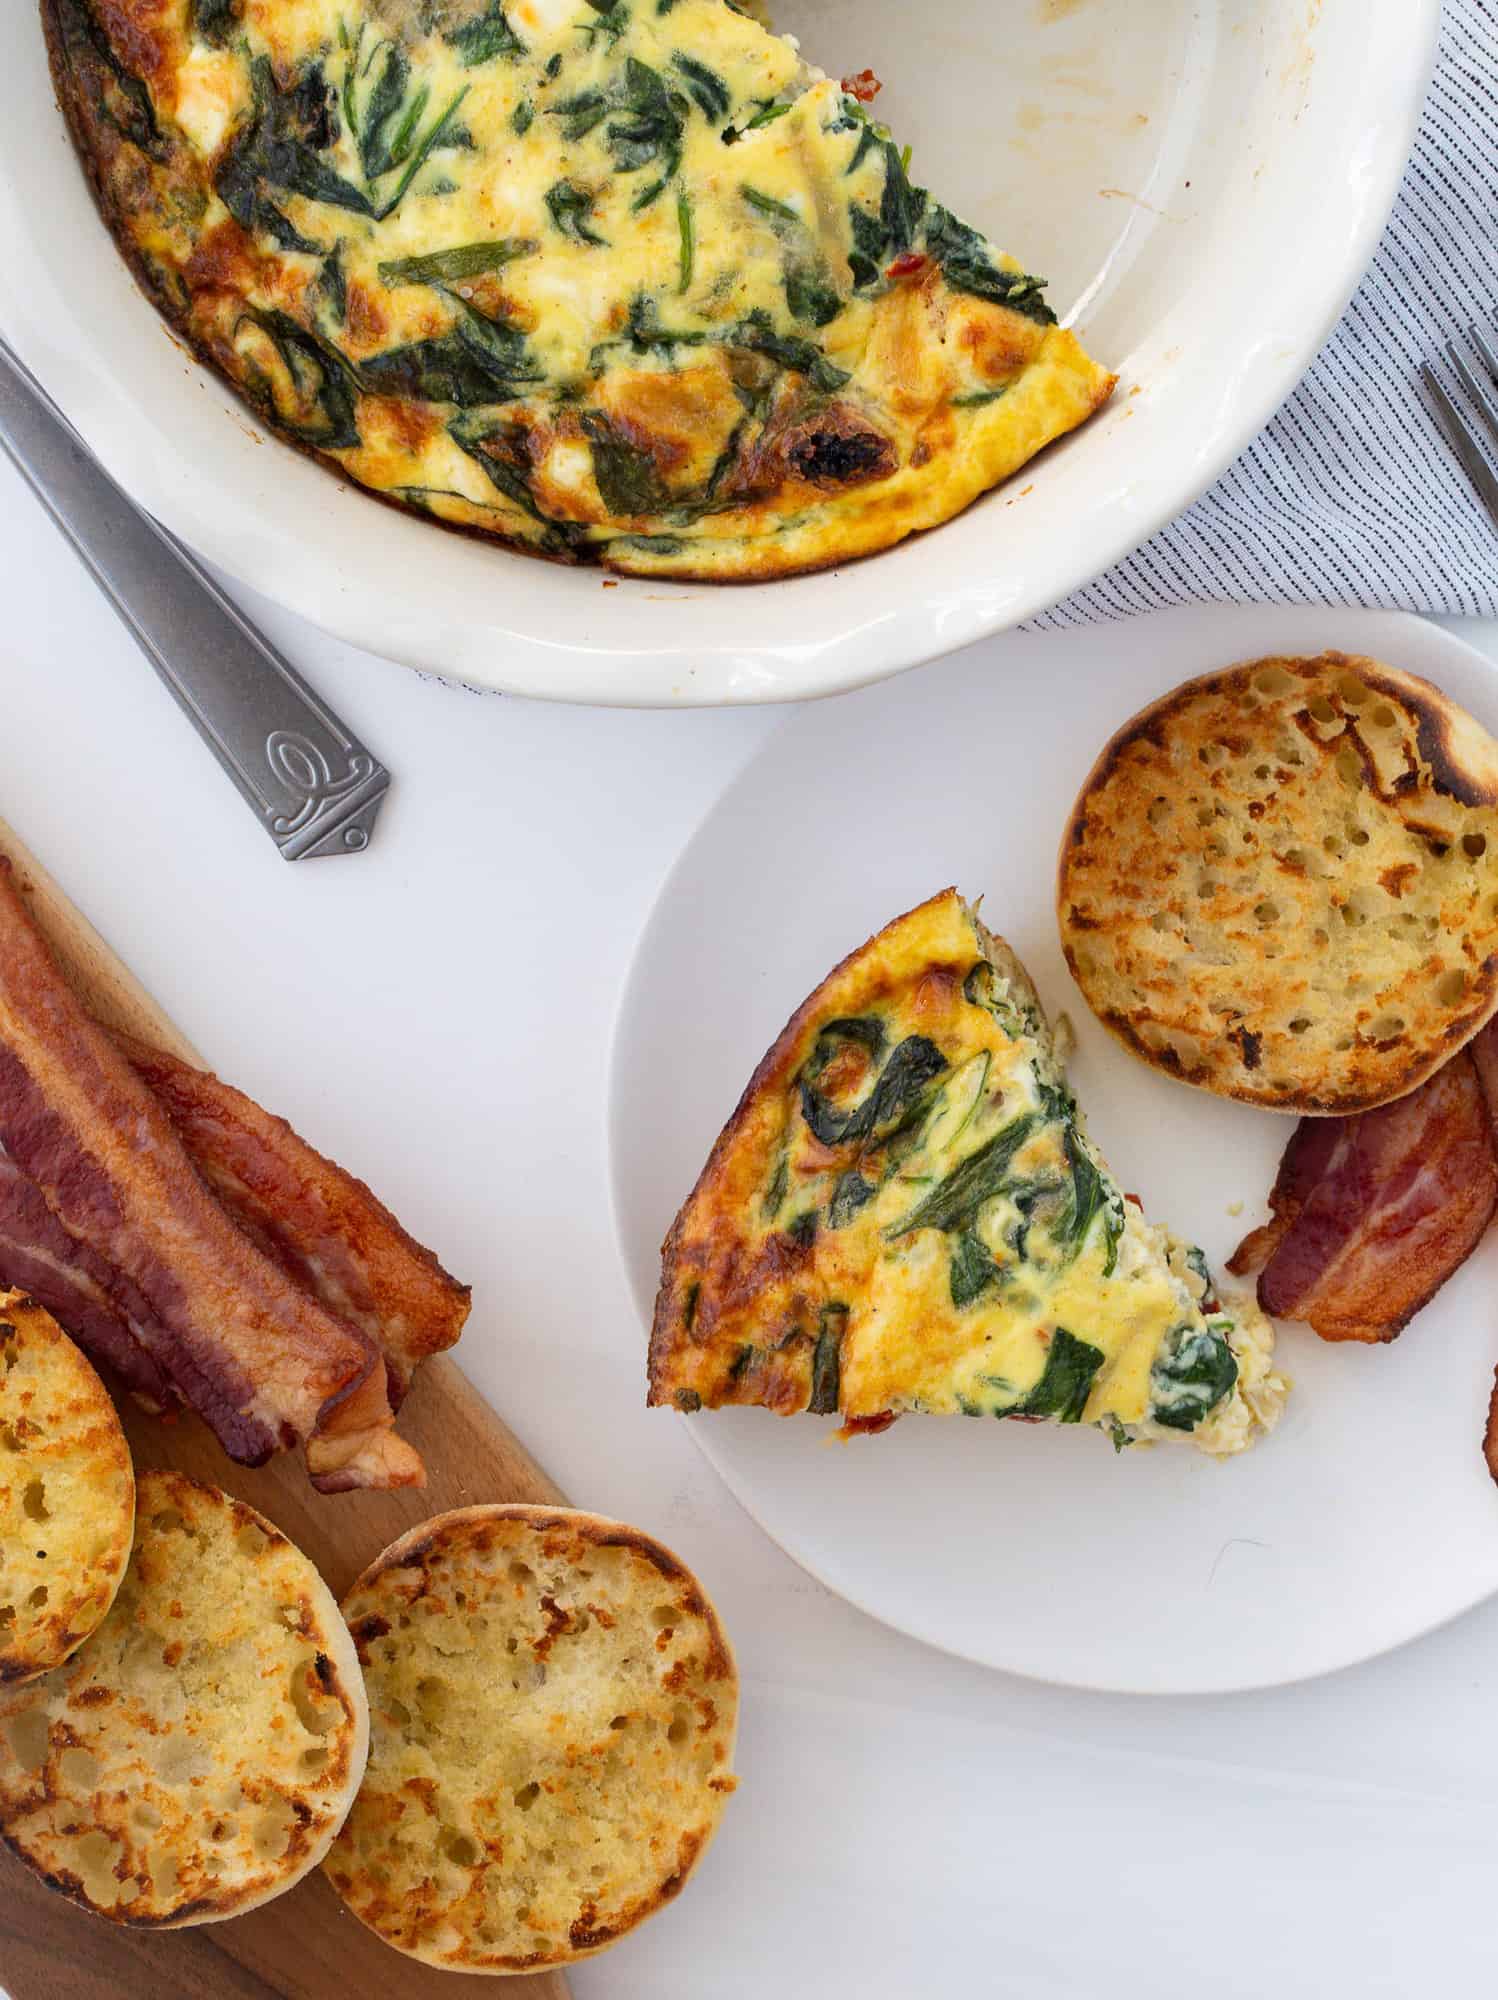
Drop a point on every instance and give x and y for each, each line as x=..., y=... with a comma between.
x=266, y=1365
x=1483, y=1049
x=325, y=1229
x=38, y=1256
x=1372, y=1214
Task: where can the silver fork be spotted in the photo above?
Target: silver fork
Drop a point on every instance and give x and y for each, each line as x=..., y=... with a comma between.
x=312, y=784
x=1463, y=435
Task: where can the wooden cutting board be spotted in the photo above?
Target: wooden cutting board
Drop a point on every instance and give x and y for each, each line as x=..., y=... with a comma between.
x=305, y=1945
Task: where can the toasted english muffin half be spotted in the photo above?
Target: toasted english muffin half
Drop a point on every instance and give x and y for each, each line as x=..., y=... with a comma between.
x=553, y=1709
x=67, y=1493
x=1280, y=883
x=196, y=1755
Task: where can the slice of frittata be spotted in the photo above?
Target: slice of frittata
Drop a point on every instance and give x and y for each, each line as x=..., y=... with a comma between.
x=906, y=1213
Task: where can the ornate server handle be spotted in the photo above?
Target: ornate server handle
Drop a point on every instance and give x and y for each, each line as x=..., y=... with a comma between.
x=311, y=783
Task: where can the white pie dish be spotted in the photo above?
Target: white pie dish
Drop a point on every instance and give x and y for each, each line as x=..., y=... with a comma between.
x=1153, y=157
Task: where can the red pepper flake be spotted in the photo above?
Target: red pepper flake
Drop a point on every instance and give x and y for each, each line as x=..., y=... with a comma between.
x=865, y=86
x=867, y=1426
x=908, y=264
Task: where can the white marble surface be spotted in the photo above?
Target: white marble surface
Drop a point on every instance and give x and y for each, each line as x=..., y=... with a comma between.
x=438, y=1014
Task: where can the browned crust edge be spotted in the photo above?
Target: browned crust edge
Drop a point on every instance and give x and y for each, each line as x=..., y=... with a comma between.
x=17, y=1305
x=1436, y=720
x=70, y=102
x=164, y=1483
x=768, y=1070
x=599, y=1531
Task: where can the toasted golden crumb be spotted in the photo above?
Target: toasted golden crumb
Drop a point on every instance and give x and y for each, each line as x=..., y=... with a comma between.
x=67, y=1493
x=1280, y=883
x=196, y=1754
x=553, y=1708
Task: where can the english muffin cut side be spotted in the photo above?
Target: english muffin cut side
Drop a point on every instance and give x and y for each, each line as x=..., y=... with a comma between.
x=67, y=1493
x=553, y=1711
x=197, y=1754
x=1280, y=883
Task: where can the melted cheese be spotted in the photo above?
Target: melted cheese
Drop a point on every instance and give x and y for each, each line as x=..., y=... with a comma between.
x=210, y=96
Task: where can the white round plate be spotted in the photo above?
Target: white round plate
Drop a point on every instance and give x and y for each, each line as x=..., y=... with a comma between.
x=1152, y=157
x=1366, y=1518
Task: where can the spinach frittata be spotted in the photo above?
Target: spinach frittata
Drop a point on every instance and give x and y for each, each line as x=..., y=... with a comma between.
x=620, y=281
x=905, y=1213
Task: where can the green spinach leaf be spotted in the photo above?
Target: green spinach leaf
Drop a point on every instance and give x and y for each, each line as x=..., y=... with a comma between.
x=851, y=1193
x=478, y=362
x=376, y=152
x=613, y=19
x=766, y=204
x=277, y=148
x=1089, y=1195
x=954, y=1202
x=651, y=128
x=215, y=21
x=320, y=378
x=333, y=286
x=629, y=480
x=502, y=451
x=705, y=87
x=1195, y=1369
x=441, y=129
x=870, y=248
x=580, y=113
x=911, y=1066
x=570, y=206
x=467, y=260
x=124, y=100
x=485, y=37
x=973, y=1269
x=967, y=267
x=686, y=232
x=1062, y=1391
x=646, y=331
x=756, y=332
x=826, y=1362
x=984, y=988
x=810, y=294
x=901, y=206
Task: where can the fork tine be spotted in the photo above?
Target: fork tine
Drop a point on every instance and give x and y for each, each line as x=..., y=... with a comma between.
x=1464, y=444
x=1481, y=343
x=1474, y=389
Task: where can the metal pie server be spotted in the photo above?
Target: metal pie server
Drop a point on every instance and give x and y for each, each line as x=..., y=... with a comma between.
x=313, y=786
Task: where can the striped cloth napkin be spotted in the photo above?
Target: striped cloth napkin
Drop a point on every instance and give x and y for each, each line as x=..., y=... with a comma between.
x=1353, y=495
